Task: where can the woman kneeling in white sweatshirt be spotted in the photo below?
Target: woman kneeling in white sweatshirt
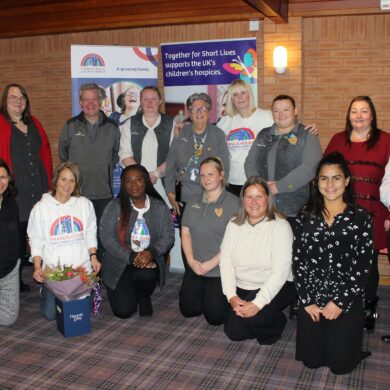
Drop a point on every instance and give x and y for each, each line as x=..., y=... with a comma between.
x=62, y=230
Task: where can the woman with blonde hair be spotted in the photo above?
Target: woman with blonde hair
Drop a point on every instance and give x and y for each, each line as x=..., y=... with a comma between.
x=203, y=226
x=241, y=124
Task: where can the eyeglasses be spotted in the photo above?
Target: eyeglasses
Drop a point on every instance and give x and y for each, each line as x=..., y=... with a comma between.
x=198, y=110
x=16, y=99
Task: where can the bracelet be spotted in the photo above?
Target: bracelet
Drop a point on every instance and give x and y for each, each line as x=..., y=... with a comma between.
x=92, y=254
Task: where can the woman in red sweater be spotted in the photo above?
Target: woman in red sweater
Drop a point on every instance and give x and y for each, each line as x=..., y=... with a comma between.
x=366, y=149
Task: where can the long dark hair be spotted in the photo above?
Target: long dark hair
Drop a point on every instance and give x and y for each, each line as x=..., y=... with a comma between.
x=11, y=190
x=26, y=114
x=124, y=198
x=373, y=137
x=315, y=206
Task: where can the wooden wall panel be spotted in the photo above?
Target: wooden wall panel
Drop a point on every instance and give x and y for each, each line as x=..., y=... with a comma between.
x=63, y=16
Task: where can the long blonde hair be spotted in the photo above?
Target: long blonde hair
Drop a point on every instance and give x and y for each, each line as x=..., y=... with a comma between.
x=231, y=109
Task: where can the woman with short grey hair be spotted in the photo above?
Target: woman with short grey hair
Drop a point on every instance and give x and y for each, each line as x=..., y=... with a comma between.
x=199, y=96
x=197, y=141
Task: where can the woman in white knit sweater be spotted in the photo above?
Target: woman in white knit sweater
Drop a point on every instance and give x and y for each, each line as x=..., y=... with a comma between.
x=255, y=267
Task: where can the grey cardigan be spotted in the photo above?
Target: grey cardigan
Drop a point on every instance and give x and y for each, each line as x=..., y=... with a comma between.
x=116, y=256
x=181, y=150
x=290, y=160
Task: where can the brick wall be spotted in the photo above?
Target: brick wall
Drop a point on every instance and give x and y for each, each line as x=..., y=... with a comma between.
x=290, y=36
x=42, y=64
x=343, y=57
x=331, y=60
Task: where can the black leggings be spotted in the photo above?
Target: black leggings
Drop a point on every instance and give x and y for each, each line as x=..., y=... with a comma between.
x=135, y=283
x=23, y=246
x=202, y=295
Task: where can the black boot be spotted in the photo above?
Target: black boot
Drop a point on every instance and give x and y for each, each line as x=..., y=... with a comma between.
x=370, y=315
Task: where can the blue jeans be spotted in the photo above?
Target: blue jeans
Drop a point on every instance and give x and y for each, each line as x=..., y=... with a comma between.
x=48, y=304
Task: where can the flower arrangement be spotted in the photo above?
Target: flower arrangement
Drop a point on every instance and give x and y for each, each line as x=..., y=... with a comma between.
x=67, y=272
x=68, y=283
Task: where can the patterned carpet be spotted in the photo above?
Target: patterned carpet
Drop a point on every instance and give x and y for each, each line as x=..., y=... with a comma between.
x=168, y=352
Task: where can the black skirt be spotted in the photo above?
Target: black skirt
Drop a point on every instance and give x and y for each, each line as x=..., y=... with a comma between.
x=336, y=344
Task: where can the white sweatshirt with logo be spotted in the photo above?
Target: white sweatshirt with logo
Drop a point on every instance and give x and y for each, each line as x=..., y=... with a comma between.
x=63, y=232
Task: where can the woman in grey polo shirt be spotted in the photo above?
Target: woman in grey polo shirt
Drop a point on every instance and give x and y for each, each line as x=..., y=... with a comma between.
x=203, y=226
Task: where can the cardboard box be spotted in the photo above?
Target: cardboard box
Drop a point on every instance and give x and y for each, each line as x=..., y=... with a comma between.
x=73, y=317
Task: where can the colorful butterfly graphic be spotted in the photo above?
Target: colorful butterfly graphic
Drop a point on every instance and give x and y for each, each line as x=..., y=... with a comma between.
x=246, y=68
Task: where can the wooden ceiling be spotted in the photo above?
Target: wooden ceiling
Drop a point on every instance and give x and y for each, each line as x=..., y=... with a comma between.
x=36, y=17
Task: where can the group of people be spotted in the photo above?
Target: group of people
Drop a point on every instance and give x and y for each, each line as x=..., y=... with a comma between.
x=266, y=220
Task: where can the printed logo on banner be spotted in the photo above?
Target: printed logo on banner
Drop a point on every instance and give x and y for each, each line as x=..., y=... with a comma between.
x=92, y=62
x=147, y=56
x=246, y=67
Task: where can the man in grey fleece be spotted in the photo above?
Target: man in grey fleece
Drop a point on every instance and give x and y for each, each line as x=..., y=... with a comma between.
x=91, y=140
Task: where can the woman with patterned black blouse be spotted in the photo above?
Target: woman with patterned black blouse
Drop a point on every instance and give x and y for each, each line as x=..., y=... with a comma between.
x=332, y=256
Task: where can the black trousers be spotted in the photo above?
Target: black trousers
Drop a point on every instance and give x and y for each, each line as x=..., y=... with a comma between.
x=372, y=283
x=134, y=284
x=267, y=325
x=99, y=205
x=23, y=246
x=202, y=295
x=336, y=344
x=234, y=189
